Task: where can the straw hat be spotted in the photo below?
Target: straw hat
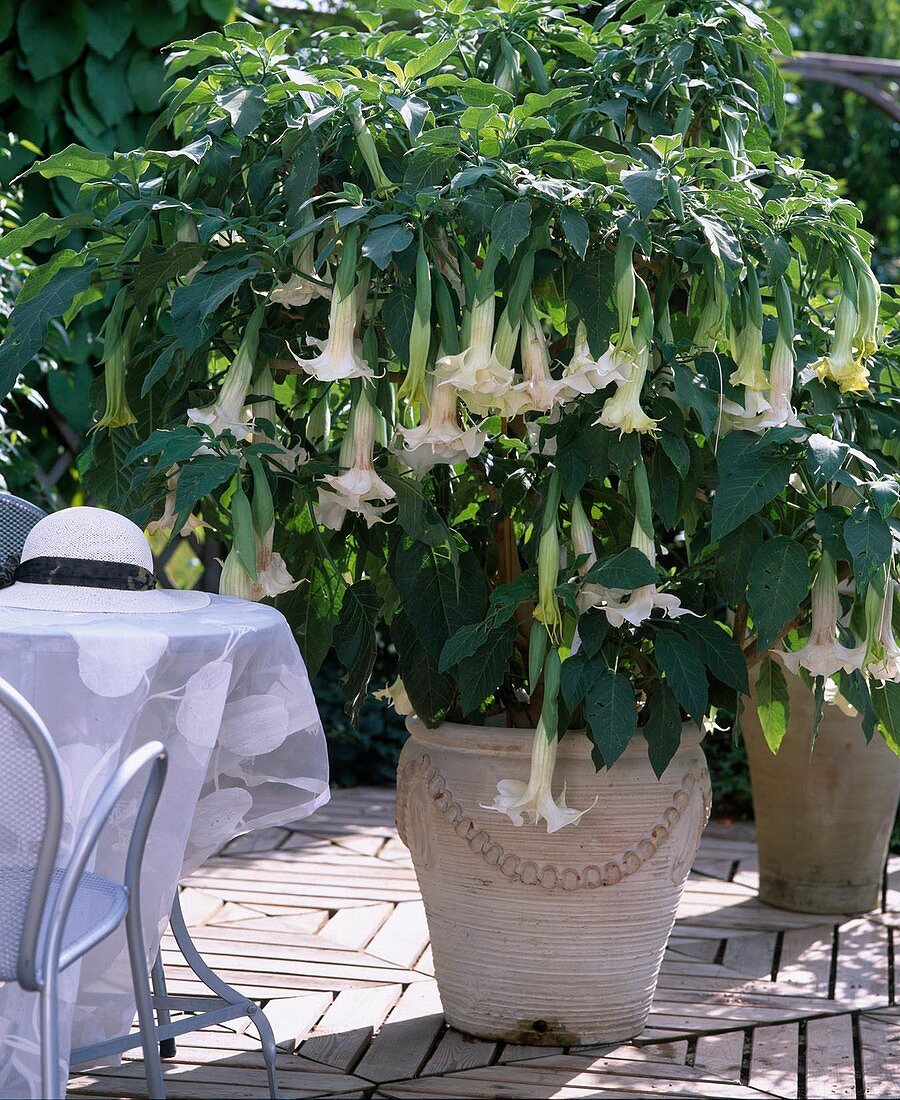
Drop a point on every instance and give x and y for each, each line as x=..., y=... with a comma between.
x=89, y=560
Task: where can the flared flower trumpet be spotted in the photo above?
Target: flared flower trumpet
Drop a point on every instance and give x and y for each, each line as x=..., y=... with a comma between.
x=540, y=390
x=822, y=654
x=358, y=489
x=585, y=374
x=440, y=439
x=841, y=364
x=883, y=651
x=304, y=284
x=623, y=411
x=781, y=413
x=228, y=412
x=482, y=380
x=396, y=695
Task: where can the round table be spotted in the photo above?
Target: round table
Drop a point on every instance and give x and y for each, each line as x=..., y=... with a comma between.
x=226, y=691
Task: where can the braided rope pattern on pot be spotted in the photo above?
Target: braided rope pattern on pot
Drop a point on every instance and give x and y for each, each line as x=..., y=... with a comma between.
x=547, y=875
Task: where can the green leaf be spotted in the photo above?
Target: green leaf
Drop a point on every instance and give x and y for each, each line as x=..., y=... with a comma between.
x=27, y=325
x=778, y=583
x=75, y=163
x=202, y=476
x=192, y=304
x=429, y=691
x=109, y=25
x=245, y=107
x=398, y=312
x=644, y=188
x=146, y=82
x=717, y=650
x=611, y=715
x=158, y=268
x=830, y=529
x=510, y=226
x=51, y=34
x=772, y=705
x=428, y=60
x=484, y=670
x=745, y=490
x=627, y=570
x=868, y=539
x=591, y=292
x=684, y=671
x=39, y=229
x=107, y=86
x=886, y=700
x=312, y=609
x=825, y=458
x=593, y=629
x=576, y=229
x=577, y=674
x=381, y=244
x=663, y=728
x=354, y=640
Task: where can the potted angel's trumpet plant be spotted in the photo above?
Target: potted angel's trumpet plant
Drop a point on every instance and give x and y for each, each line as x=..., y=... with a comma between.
x=228, y=413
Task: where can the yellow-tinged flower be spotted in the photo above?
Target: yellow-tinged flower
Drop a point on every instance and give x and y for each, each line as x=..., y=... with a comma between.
x=867, y=298
x=822, y=654
x=547, y=610
x=623, y=410
x=117, y=342
x=841, y=365
x=711, y=324
x=358, y=489
x=396, y=695
x=781, y=413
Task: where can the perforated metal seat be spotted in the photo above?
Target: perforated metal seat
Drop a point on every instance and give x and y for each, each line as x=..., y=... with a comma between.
x=17, y=517
x=97, y=908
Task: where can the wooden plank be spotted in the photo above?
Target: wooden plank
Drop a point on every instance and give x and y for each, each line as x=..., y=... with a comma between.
x=356, y=927
x=403, y=936
x=347, y=1027
x=456, y=1051
x=292, y=1018
x=830, y=1073
x=880, y=1042
x=862, y=965
x=405, y=1041
x=774, y=1058
x=721, y=1055
x=751, y=955
x=806, y=959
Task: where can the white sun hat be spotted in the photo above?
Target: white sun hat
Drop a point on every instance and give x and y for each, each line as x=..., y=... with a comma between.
x=89, y=560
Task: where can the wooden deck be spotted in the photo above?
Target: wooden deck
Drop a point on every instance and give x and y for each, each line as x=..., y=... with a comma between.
x=324, y=925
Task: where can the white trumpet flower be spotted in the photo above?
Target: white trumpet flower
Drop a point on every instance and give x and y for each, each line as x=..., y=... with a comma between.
x=396, y=695
x=341, y=354
x=272, y=576
x=781, y=413
x=166, y=521
x=439, y=439
x=228, y=412
x=533, y=802
x=623, y=410
x=822, y=654
x=304, y=285
x=585, y=374
x=589, y=595
x=482, y=380
x=358, y=488
x=540, y=390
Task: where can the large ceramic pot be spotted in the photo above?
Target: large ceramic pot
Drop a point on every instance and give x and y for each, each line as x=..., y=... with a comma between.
x=823, y=815
x=548, y=939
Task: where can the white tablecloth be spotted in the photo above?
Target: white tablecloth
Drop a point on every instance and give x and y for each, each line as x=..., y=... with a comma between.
x=225, y=689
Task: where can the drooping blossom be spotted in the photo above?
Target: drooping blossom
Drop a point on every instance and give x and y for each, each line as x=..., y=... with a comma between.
x=868, y=298
x=883, y=650
x=117, y=341
x=413, y=387
x=585, y=374
x=533, y=802
x=440, y=438
x=781, y=413
x=265, y=412
x=623, y=411
x=482, y=380
x=822, y=654
x=228, y=412
x=396, y=695
x=841, y=364
x=548, y=562
x=166, y=521
x=358, y=488
x=272, y=576
x=541, y=391
x=589, y=594
x=711, y=323
x=304, y=284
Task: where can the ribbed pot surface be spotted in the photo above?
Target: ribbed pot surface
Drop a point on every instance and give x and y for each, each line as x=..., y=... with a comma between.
x=548, y=939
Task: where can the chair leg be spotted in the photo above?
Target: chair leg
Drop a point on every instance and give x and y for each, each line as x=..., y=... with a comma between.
x=167, y=1048
x=269, y=1049
x=50, y=1083
x=137, y=956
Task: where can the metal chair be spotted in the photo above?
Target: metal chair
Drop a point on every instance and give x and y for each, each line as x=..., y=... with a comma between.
x=51, y=916
x=17, y=517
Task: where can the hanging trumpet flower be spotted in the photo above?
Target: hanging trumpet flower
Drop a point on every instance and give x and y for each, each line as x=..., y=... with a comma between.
x=368, y=149
x=623, y=411
x=358, y=489
x=542, y=392
x=822, y=654
x=637, y=606
x=584, y=373
x=841, y=364
x=713, y=315
x=547, y=610
x=396, y=695
x=117, y=341
x=781, y=413
x=882, y=648
x=413, y=388
x=746, y=350
x=533, y=802
x=589, y=594
x=228, y=412
x=868, y=298
x=341, y=352
x=272, y=576
x=239, y=572
x=304, y=284
x=166, y=522
x=440, y=439
x=265, y=413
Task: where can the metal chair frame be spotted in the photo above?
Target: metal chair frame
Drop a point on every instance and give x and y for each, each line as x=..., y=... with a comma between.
x=21, y=515
x=42, y=956
x=225, y=1004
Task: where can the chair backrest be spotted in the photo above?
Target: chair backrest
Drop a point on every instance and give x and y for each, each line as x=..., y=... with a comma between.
x=17, y=517
x=31, y=813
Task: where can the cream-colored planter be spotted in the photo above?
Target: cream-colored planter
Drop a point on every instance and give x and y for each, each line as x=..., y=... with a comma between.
x=823, y=820
x=548, y=939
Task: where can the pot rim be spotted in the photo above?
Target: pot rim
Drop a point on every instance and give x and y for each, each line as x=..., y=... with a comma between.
x=503, y=740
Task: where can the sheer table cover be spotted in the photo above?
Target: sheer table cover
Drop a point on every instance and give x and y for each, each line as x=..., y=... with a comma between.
x=226, y=691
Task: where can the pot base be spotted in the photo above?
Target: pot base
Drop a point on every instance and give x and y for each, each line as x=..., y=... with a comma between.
x=819, y=897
